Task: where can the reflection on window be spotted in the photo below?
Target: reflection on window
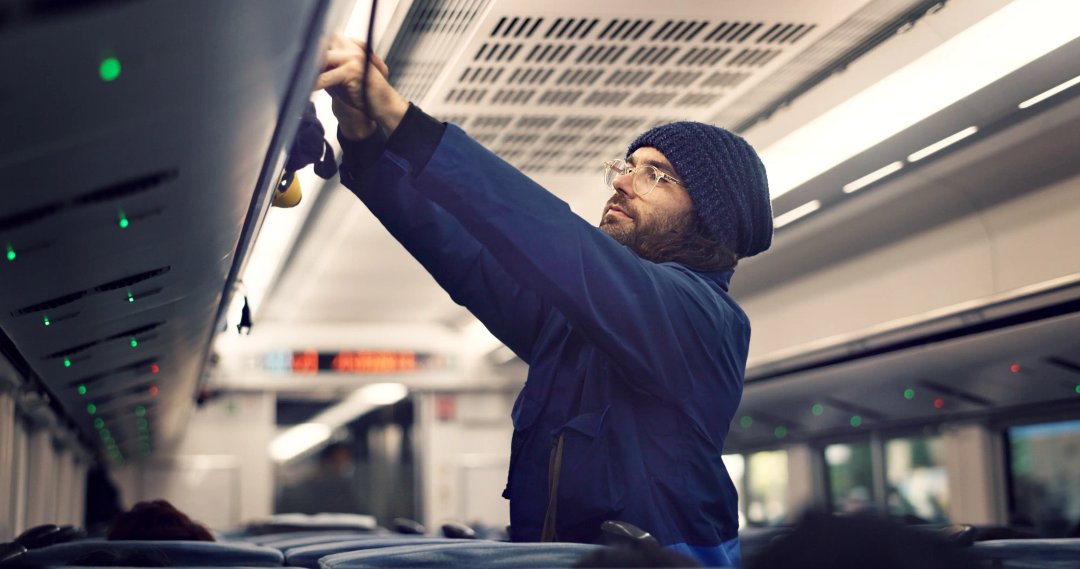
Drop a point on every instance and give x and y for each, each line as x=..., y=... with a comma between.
x=851, y=477
x=736, y=467
x=766, y=501
x=918, y=484
x=1045, y=467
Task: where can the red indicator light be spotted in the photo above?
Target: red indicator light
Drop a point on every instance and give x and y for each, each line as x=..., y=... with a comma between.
x=1015, y=367
x=154, y=368
x=939, y=403
x=153, y=390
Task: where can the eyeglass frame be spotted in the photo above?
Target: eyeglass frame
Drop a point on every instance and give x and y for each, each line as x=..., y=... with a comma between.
x=661, y=175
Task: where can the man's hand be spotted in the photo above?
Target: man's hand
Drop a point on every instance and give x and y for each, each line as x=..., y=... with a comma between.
x=342, y=78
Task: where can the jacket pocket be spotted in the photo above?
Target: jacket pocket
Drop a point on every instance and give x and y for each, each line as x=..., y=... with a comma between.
x=590, y=485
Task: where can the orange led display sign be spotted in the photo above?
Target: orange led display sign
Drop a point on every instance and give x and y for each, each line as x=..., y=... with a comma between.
x=352, y=362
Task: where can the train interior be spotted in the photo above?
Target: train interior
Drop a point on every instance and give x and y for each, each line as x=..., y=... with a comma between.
x=292, y=379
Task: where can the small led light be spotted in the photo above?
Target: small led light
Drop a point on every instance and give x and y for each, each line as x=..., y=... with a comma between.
x=856, y=420
x=99, y=423
x=91, y=408
x=909, y=393
x=154, y=368
x=939, y=403
x=746, y=421
x=140, y=411
x=131, y=297
x=153, y=390
x=817, y=409
x=45, y=320
x=10, y=253
x=82, y=390
x=109, y=69
x=1078, y=388
x=67, y=362
x=122, y=221
x=134, y=342
x=780, y=432
x=1014, y=367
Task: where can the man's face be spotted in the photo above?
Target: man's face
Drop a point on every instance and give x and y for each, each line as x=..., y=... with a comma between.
x=631, y=218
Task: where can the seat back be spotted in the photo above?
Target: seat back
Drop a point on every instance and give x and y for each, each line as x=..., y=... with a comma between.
x=464, y=553
x=1061, y=553
x=193, y=553
x=309, y=556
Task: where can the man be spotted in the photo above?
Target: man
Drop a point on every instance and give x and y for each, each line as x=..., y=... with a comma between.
x=636, y=351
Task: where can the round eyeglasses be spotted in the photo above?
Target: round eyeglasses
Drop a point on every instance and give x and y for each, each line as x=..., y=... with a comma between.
x=646, y=176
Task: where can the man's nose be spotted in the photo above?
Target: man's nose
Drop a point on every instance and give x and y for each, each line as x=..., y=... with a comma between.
x=624, y=184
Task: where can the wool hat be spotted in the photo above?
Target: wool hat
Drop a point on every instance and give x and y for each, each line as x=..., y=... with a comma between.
x=725, y=178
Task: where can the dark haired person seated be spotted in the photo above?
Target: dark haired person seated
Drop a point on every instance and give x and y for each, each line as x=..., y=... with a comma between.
x=157, y=520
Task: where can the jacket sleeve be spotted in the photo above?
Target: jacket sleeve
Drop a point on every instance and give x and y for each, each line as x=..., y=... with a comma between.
x=661, y=323
x=459, y=263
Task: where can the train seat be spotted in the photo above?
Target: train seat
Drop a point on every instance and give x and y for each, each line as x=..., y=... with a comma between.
x=1060, y=553
x=309, y=556
x=466, y=553
x=289, y=540
x=193, y=553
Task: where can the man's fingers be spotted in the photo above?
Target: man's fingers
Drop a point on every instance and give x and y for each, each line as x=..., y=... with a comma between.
x=339, y=57
x=380, y=65
x=333, y=77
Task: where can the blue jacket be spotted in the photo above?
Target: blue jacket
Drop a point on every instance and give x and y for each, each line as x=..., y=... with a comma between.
x=635, y=368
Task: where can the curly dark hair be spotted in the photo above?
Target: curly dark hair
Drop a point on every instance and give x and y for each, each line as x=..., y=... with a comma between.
x=157, y=520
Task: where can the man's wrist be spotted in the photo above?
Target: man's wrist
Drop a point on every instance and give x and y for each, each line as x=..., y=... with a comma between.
x=354, y=131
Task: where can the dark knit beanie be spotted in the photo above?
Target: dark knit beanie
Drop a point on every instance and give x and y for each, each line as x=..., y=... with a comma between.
x=725, y=178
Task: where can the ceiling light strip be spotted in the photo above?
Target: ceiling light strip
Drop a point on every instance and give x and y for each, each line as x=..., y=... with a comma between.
x=1049, y=93
x=797, y=213
x=1001, y=43
x=872, y=177
x=943, y=143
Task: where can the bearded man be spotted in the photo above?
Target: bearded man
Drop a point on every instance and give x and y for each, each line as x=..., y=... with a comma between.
x=636, y=351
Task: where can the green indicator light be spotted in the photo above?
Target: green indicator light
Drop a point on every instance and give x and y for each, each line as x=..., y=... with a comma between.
x=67, y=362
x=1078, y=388
x=780, y=432
x=746, y=421
x=140, y=410
x=99, y=423
x=856, y=420
x=134, y=342
x=45, y=320
x=131, y=297
x=909, y=393
x=82, y=390
x=109, y=69
x=817, y=409
x=123, y=221
x=10, y=253
x=91, y=408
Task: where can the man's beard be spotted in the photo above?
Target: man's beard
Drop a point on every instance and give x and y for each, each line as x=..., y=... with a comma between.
x=645, y=237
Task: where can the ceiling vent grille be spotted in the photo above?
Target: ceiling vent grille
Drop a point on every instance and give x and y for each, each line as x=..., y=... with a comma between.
x=469, y=60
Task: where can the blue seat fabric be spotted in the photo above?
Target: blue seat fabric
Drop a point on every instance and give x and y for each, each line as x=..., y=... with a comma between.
x=192, y=553
x=468, y=553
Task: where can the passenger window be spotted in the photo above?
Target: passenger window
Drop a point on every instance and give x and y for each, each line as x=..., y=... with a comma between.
x=1045, y=478
x=736, y=467
x=767, y=479
x=918, y=488
x=851, y=477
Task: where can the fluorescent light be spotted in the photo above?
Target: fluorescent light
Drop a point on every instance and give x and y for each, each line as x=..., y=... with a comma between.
x=947, y=141
x=1049, y=93
x=296, y=440
x=801, y=211
x=872, y=177
x=1001, y=43
x=383, y=393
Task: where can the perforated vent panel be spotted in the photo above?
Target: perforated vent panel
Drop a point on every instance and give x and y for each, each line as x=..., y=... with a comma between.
x=562, y=88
